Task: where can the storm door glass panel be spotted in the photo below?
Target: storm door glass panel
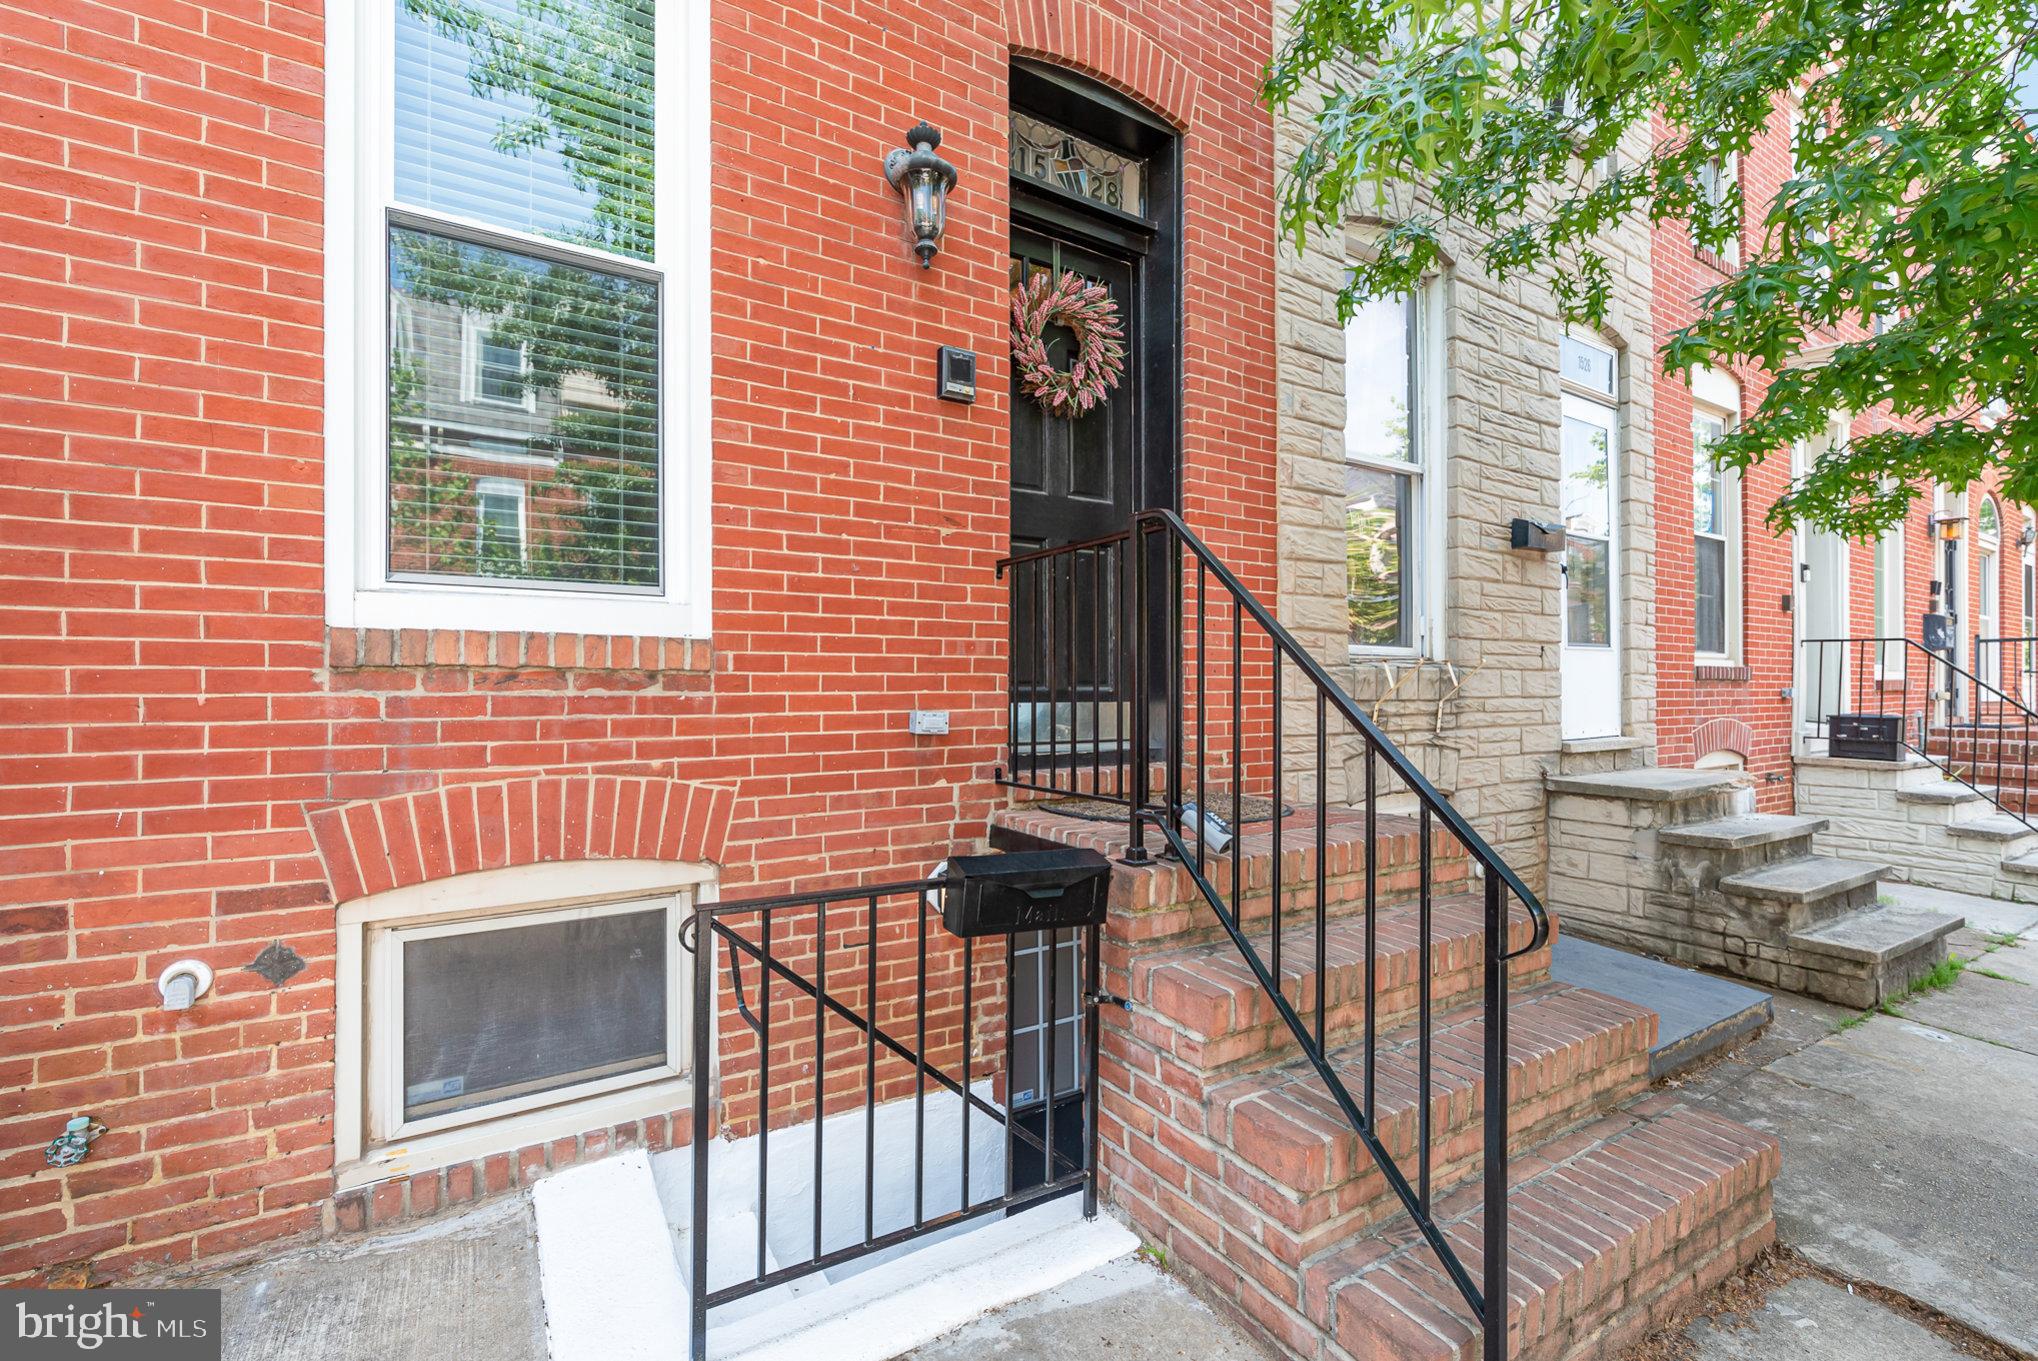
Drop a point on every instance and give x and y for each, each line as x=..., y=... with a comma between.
x=1030, y=1006
x=1377, y=527
x=585, y=341
x=501, y=1014
x=1588, y=516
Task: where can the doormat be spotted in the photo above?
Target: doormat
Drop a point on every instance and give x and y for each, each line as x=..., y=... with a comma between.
x=1250, y=809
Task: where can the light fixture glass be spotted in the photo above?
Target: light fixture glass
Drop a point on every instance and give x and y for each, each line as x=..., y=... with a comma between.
x=924, y=179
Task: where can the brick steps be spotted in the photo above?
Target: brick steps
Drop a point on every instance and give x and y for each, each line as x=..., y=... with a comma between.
x=1610, y=1230
x=1293, y=1155
x=1157, y=905
x=1223, y=1018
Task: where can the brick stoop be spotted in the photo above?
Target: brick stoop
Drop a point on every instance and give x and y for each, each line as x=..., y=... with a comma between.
x=1610, y=1231
x=1221, y=1144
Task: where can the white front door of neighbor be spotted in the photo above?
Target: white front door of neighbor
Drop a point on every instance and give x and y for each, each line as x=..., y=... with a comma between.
x=1822, y=615
x=1590, y=675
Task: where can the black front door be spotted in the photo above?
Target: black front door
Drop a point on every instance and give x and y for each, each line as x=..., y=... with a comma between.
x=1073, y=477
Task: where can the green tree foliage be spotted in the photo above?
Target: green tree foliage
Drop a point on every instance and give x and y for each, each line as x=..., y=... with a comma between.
x=1912, y=211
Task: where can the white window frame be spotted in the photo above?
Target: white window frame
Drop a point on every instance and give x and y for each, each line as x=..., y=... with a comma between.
x=520, y=492
x=1719, y=396
x=473, y=332
x=1730, y=174
x=360, y=120
x=1427, y=472
x=1591, y=404
x=372, y=1140
x=1889, y=606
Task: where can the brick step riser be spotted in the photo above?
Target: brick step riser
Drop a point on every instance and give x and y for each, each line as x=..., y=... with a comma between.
x=1320, y=1219
x=1262, y=1039
x=1188, y=919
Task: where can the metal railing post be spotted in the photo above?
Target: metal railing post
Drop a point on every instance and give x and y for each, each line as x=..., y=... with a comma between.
x=1494, y=1293
x=1136, y=681
x=703, y=1020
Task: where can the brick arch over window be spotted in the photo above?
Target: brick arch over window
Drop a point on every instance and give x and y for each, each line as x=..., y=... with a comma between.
x=1081, y=34
x=380, y=844
x=1723, y=734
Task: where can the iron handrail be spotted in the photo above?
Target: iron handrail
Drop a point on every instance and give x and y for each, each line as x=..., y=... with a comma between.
x=1120, y=577
x=2013, y=716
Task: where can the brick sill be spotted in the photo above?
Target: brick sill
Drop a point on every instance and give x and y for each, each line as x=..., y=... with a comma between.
x=1721, y=672
x=362, y=649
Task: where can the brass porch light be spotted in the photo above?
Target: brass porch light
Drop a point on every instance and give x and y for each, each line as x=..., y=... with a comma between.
x=924, y=180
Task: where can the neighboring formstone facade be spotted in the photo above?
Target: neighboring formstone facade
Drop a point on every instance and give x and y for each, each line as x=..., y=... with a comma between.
x=1481, y=715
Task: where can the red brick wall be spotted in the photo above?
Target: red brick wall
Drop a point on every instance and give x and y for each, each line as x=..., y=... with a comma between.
x=175, y=709
x=1700, y=711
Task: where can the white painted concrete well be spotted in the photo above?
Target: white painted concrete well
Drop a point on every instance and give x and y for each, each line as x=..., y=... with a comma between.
x=614, y=1242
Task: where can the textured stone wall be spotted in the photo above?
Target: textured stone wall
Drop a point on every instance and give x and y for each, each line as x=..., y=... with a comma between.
x=1481, y=715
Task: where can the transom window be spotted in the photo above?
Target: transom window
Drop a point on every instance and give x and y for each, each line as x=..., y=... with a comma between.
x=520, y=238
x=1043, y=152
x=1390, y=453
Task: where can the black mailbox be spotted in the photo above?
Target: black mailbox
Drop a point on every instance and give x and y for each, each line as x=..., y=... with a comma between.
x=996, y=895
x=1866, y=737
x=1935, y=631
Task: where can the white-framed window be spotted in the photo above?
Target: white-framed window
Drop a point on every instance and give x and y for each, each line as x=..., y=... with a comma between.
x=493, y=1010
x=1394, y=474
x=495, y=368
x=1590, y=491
x=1715, y=524
x=517, y=273
x=1718, y=181
x=501, y=524
x=1889, y=601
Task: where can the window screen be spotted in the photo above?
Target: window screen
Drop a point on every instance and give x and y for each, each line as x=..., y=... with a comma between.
x=497, y=1014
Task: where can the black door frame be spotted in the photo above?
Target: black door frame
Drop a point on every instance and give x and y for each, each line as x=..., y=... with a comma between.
x=1084, y=107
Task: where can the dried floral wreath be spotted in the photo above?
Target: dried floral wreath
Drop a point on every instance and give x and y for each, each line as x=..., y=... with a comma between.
x=1085, y=308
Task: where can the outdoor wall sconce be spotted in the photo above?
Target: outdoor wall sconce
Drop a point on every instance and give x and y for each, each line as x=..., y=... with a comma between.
x=924, y=179
x=1950, y=526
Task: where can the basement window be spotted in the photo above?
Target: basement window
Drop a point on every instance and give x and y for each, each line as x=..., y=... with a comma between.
x=470, y=1024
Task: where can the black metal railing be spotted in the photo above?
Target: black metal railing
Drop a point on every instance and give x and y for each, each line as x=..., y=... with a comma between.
x=1971, y=729
x=846, y=1010
x=1165, y=688
x=2013, y=662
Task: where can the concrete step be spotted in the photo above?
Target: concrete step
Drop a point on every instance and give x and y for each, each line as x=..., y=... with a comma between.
x=2024, y=866
x=1572, y=1052
x=1944, y=794
x=1697, y=1015
x=1811, y=880
x=1996, y=827
x=1872, y=954
x=1744, y=831
x=1221, y=1017
x=1611, y=1230
x=1158, y=904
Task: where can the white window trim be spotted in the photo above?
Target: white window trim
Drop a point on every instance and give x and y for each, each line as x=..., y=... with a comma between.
x=359, y=183
x=1717, y=394
x=1889, y=620
x=1428, y=473
x=1583, y=402
x=520, y=491
x=1730, y=174
x=472, y=333
x=365, y=1065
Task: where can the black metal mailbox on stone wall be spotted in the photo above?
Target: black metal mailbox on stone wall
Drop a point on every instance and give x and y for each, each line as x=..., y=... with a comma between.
x=1866, y=737
x=996, y=895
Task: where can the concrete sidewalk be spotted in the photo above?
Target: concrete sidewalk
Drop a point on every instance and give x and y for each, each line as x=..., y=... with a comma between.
x=1910, y=1153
